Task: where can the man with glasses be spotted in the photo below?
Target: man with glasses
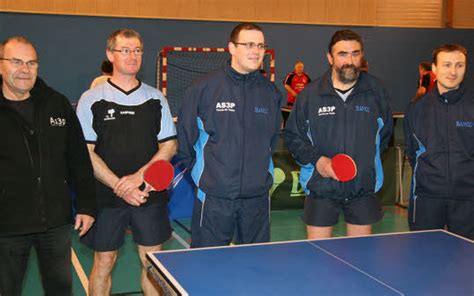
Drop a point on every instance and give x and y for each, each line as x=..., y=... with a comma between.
x=127, y=125
x=42, y=153
x=344, y=111
x=227, y=126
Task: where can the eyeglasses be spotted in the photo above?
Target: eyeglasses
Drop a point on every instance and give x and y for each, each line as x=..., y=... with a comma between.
x=252, y=45
x=17, y=63
x=125, y=51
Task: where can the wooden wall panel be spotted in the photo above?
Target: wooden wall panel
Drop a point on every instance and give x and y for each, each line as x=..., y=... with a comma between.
x=226, y=10
x=410, y=13
x=67, y=7
x=85, y=7
x=358, y=12
x=463, y=14
x=317, y=12
x=21, y=5
x=282, y=11
x=397, y=13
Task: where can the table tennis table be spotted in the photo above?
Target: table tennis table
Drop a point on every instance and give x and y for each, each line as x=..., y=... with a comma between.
x=412, y=263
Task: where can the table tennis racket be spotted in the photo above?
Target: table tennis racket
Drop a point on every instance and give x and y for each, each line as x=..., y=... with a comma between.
x=344, y=167
x=158, y=176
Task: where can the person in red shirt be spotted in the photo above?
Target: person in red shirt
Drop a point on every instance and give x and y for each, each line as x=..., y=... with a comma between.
x=295, y=82
x=427, y=80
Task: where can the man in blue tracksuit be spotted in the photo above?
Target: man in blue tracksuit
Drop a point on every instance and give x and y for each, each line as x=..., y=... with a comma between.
x=226, y=129
x=344, y=111
x=439, y=135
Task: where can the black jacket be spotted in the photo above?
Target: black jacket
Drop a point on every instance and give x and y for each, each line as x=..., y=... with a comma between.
x=226, y=127
x=322, y=124
x=439, y=135
x=37, y=163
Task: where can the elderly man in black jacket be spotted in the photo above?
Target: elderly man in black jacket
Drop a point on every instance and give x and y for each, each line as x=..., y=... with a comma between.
x=42, y=152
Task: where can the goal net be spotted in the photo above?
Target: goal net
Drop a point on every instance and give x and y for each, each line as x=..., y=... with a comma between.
x=178, y=67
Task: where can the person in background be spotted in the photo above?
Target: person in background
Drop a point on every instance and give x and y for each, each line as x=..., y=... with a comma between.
x=426, y=81
x=107, y=70
x=364, y=65
x=295, y=82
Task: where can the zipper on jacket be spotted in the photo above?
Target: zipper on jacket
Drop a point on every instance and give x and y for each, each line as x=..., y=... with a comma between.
x=243, y=136
x=345, y=185
x=345, y=127
x=40, y=153
x=30, y=156
x=448, y=175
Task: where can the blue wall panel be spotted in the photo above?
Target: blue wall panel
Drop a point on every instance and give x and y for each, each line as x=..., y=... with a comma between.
x=71, y=48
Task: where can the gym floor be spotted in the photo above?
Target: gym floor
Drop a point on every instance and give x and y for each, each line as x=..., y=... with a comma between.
x=286, y=225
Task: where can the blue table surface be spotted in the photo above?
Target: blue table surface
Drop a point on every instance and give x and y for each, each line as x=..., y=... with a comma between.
x=416, y=263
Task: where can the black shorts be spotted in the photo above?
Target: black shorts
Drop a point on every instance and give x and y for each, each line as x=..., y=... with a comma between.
x=150, y=226
x=431, y=213
x=217, y=221
x=323, y=212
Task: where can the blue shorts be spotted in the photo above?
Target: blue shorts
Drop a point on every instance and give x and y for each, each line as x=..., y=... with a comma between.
x=150, y=226
x=323, y=212
x=217, y=221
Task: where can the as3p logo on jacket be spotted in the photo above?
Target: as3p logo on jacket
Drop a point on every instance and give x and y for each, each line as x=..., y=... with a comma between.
x=225, y=107
x=57, y=121
x=327, y=110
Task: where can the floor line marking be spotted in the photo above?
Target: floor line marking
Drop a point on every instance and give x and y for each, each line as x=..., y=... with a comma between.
x=80, y=271
x=396, y=211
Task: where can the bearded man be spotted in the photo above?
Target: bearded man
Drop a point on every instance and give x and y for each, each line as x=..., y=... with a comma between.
x=343, y=111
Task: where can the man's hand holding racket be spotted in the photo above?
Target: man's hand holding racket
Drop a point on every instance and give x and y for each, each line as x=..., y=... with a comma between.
x=340, y=168
x=324, y=168
x=158, y=176
x=126, y=184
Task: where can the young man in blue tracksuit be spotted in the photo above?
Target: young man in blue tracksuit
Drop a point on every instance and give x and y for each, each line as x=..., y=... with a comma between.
x=344, y=111
x=439, y=135
x=226, y=129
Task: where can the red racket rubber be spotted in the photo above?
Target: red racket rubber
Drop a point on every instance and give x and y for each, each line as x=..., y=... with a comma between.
x=158, y=175
x=344, y=167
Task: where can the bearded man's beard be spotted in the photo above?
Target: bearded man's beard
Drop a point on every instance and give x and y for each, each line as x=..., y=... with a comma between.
x=348, y=73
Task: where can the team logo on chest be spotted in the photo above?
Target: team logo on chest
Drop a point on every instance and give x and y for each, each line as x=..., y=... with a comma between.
x=110, y=115
x=464, y=124
x=57, y=121
x=262, y=110
x=362, y=108
x=225, y=107
x=327, y=110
